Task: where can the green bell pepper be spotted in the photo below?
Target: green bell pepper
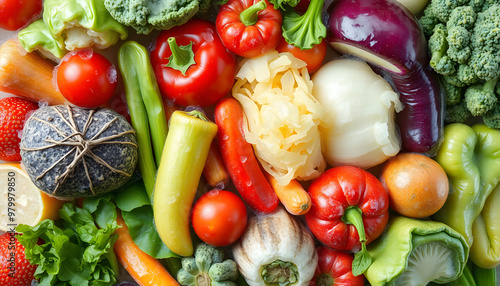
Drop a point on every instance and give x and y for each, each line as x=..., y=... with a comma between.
x=470, y=157
x=68, y=25
x=416, y=252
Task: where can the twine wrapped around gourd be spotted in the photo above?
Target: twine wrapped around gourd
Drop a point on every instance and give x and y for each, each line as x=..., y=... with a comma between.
x=71, y=152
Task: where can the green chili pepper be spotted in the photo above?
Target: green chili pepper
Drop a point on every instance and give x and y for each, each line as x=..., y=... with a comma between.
x=146, y=108
x=416, y=252
x=470, y=157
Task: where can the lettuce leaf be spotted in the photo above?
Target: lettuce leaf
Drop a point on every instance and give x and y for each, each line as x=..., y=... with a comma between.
x=73, y=250
x=137, y=212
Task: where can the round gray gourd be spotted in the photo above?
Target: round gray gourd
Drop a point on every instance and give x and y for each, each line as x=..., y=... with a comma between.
x=71, y=152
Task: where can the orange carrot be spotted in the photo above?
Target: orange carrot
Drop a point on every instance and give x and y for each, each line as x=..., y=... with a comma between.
x=27, y=74
x=215, y=172
x=145, y=269
x=293, y=196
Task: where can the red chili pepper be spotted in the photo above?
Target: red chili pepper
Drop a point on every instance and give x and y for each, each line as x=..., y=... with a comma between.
x=192, y=65
x=240, y=160
x=350, y=208
x=335, y=269
x=249, y=28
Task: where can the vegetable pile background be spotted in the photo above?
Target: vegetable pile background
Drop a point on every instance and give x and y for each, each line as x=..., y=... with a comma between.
x=249, y=142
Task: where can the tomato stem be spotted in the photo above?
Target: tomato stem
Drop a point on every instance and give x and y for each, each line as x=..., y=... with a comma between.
x=182, y=56
x=250, y=15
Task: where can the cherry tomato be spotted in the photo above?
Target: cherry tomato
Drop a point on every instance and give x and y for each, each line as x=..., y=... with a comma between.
x=15, y=14
x=219, y=217
x=210, y=67
x=313, y=57
x=86, y=79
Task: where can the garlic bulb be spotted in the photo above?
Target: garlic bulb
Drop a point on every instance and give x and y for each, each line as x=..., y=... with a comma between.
x=276, y=248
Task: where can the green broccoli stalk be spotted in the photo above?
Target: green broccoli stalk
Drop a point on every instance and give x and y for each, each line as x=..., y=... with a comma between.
x=481, y=98
x=207, y=268
x=307, y=30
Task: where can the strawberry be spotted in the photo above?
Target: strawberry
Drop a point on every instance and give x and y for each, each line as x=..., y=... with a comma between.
x=13, y=113
x=15, y=270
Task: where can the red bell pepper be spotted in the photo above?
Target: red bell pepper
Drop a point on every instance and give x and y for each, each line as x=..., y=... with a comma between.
x=350, y=208
x=240, y=161
x=192, y=65
x=249, y=28
x=335, y=269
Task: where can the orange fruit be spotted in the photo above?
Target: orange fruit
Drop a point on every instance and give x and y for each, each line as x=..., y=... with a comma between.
x=417, y=185
x=21, y=202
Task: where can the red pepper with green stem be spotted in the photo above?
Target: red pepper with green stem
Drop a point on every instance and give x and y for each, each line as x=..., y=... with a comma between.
x=192, y=65
x=350, y=208
x=249, y=28
x=335, y=269
x=240, y=159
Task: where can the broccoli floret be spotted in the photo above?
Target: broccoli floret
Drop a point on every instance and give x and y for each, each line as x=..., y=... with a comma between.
x=486, y=65
x=454, y=80
x=454, y=94
x=463, y=16
x=458, y=42
x=481, y=98
x=428, y=21
x=438, y=46
x=492, y=117
x=457, y=113
x=470, y=51
x=466, y=74
x=442, y=8
x=144, y=16
x=477, y=5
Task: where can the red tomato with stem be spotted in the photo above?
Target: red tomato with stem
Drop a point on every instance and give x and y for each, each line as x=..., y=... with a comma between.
x=15, y=14
x=219, y=217
x=86, y=78
x=192, y=65
x=313, y=57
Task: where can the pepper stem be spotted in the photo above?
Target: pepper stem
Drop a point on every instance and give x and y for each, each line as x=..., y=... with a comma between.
x=250, y=15
x=362, y=260
x=325, y=279
x=182, y=56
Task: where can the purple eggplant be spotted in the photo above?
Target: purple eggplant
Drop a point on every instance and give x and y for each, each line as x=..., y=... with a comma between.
x=387, y=35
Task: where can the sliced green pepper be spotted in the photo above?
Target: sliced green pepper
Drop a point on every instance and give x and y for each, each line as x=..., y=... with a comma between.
x=416, y=252
x=470, y=157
